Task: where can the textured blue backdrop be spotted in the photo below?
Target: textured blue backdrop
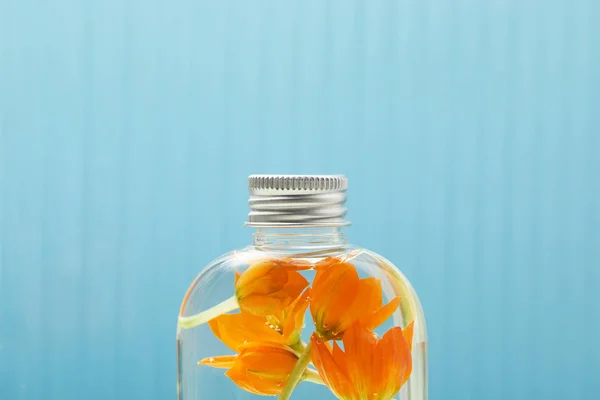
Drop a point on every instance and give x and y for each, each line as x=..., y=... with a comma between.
x=469, y=131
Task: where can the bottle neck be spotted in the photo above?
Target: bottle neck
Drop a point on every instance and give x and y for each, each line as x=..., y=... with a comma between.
x=299, y=239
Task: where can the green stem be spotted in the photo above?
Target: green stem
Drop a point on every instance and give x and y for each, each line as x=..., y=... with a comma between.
x=201, y=318
x=298, y=347
x=313, y=376
x=298, y=373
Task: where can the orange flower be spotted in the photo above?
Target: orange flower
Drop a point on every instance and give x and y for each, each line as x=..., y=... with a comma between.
x=290, y=321
x=339, y=297
x=369, y=368
x=283, y=328
x=259, y=368
x=266, y=288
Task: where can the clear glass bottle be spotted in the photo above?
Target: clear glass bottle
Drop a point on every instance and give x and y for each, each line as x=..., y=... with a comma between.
x=300, y=313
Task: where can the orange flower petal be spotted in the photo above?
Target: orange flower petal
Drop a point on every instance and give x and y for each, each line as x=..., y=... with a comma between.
x=293, y=320
x=331, y=373
x=340, y=358
x=236, y=329
x=321, y=281
x=251, y=382
x=368, y=297
x=380, y=316
x=368, y=367
x=263, y=305
x=263, y=278
x=359, y=346
x=333, y=288
x=393, y=363
x=260, y=368
x=366, y=301
x=269, y=286
x=265, y=385
x=339, y=298
x=270, y=358
x=218, y=361
x=294, y=286
x=408, y=334
x=240, y=377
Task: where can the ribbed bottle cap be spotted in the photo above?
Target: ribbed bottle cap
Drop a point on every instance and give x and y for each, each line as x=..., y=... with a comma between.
x=297, y=200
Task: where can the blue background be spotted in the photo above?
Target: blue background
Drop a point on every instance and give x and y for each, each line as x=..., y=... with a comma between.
x=470, y=131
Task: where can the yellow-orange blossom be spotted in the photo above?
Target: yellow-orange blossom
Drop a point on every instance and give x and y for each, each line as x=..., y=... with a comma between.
x=283, y=328
x=267, y=287
x=339, y=298
x=259, y=368
x=369, y=368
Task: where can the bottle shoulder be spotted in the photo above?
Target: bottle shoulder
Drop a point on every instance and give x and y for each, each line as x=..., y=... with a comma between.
x=221, y=272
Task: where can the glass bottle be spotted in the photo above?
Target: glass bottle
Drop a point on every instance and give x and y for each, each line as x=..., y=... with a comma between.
x=300, y=313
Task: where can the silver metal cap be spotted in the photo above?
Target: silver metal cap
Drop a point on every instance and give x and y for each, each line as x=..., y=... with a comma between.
x=297, y=200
